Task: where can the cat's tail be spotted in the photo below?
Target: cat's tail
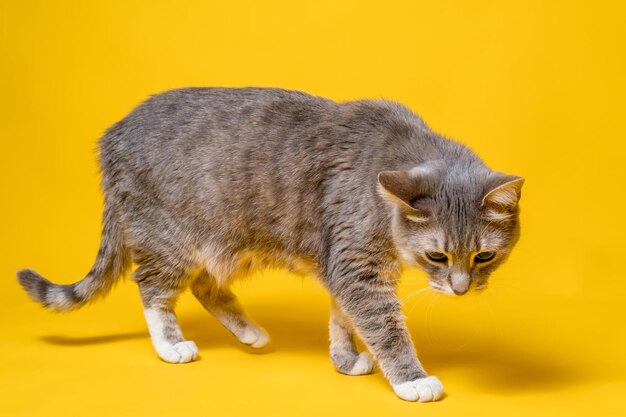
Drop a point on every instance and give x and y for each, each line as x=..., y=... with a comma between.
x=112, y=261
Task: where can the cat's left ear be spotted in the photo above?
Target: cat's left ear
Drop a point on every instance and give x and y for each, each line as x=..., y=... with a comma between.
x=502, y=195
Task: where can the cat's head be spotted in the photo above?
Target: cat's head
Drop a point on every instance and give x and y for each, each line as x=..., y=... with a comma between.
x=457, y=223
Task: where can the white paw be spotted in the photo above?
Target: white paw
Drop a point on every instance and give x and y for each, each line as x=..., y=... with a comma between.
x=181, y=352
x=255, y=336
x=422, y=389
x=364, y=365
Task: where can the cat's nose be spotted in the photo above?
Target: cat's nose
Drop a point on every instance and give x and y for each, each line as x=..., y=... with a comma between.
x=459, y=283
x=461, y=292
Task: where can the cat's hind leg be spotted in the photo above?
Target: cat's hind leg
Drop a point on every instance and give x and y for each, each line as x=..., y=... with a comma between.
x=343, y=353
x=223, y=304
x=160, y=284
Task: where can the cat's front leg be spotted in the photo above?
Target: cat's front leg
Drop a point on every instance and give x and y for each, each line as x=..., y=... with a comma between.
x=343, y=353
x=371, y=303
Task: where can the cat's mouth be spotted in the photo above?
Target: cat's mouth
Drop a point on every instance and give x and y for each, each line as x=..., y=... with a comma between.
x=447, y=289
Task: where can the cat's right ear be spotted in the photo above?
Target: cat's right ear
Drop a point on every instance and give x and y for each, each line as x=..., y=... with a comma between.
x=408, y=190
x=502, y=195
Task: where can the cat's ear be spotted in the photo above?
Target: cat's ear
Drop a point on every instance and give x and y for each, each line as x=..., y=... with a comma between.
x=407, y=188
x=501, y=195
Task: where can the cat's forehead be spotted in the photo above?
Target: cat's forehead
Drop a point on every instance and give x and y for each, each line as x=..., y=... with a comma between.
x=460, y=226
x=467, y=233
x=462, y=183
x=458, y=204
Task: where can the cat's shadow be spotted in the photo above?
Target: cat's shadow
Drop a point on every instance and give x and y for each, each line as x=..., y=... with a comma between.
x=495, y=365
x=488, y=362
x=64, y=340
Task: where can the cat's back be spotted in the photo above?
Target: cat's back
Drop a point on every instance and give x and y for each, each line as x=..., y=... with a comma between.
x=205, y=117
x=256, y=132
x=213, y=104
x=210, y=99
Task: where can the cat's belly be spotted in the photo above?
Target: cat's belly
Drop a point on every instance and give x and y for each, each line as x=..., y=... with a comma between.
x=227, y=266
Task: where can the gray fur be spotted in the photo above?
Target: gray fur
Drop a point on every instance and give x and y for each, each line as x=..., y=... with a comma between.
x=204, y=184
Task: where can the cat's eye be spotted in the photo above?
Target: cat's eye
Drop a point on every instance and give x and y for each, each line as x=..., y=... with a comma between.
x=437, y=257
x=484, y=257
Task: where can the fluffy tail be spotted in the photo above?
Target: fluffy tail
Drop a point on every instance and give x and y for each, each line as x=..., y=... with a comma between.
x=112, y=261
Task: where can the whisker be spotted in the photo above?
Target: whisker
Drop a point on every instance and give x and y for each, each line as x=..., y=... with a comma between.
x=415, y=279
x=416, y=292
x=479, y=331
x=428, y=318
x=423, y=296
x=510, y=286
x=493, y=318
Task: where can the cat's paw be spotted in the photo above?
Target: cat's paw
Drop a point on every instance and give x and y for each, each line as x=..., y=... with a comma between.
x=364, y=365
x=421, y=390
x=181, y=352
x=348, y=363
x=255, y=337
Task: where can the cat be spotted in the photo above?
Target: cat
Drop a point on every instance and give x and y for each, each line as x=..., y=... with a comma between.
x=202, y=185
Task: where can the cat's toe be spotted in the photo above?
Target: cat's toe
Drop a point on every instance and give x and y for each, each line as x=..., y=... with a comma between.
x=421, y=390
x=364, y=365
x=255, y=337
x=181, y=352
x=187, y=350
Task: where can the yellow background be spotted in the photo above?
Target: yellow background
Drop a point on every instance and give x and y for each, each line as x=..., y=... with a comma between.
x=536, y=88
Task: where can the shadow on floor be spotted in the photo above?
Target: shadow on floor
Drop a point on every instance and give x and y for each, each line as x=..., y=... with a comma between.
x=500, y=367
x=489, y=361
x=63, y=340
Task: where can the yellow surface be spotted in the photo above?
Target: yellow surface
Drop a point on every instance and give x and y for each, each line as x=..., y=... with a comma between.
x=536, y=88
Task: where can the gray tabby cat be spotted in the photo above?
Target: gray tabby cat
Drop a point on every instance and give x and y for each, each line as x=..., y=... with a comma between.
x=203, y=185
